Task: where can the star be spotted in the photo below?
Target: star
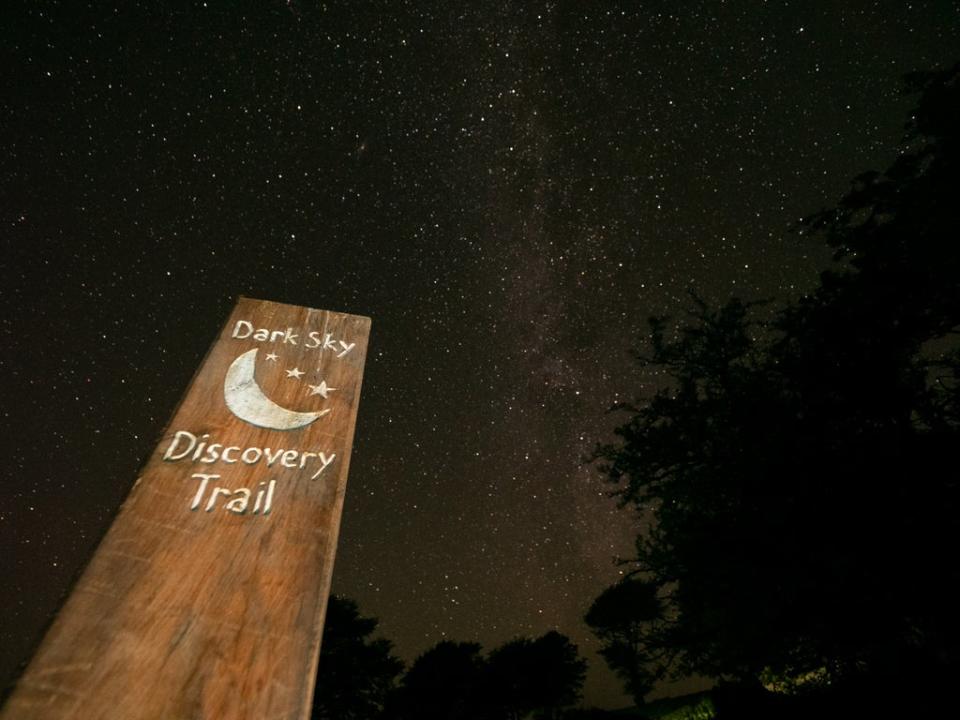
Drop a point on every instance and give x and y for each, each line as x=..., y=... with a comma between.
x=321, y=389
x=295, y=373
x=272, y=357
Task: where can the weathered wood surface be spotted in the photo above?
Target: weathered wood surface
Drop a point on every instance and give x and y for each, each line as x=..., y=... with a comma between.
x=217, y=613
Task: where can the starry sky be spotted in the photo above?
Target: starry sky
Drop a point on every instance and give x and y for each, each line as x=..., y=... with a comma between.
x=508, y=189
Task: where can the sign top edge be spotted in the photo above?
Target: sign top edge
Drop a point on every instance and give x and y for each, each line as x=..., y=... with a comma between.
x=241, y=298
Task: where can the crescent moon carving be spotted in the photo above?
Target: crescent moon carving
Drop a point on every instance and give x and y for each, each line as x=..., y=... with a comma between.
x=247, y=401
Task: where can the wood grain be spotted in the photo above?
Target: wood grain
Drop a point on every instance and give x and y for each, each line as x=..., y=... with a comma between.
x=215, y=614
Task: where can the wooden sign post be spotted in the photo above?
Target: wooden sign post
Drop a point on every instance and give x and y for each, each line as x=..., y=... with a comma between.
x=206, y=597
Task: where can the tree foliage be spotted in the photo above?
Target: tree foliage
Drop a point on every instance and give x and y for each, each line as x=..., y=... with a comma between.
x=356, y=673
x=624, y=618
x=520, y=678
x=798, y=472
x=541, y=675
x=444, y=683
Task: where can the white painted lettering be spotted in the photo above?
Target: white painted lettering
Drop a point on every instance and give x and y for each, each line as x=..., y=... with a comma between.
x=204, y=479
x=213, y=453
x=256, y=504
x=269, y=503
x=256, y=453
x=239, y=504
x=325, y=461
x=200, y=446
x=272, y=456
x=217, y=491
x=287, y=336
x=191, y=439
x=187, y=446
x=244, y=327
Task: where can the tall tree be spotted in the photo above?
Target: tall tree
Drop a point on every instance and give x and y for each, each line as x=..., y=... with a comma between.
x=444, y=683
x=356, y=672
x=541, y=675
x=624, y=617
x=795, y=472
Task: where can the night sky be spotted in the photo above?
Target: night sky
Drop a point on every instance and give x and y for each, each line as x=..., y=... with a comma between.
x=508, y=189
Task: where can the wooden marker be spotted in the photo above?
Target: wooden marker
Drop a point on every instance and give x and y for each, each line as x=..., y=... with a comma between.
x=206, y=597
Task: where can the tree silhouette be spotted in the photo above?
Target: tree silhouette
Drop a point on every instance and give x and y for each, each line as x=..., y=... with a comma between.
x=541, y=675
x=519, y=678
x=442, y=684
x=623, y=618
x=796, y=471
x=355, y=673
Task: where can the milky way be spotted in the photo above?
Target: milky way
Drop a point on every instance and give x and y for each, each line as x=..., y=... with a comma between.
x=508, y=190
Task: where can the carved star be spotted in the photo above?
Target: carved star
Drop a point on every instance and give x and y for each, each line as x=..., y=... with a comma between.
x=272, y=357
x=295, y=373
x=321, y=389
